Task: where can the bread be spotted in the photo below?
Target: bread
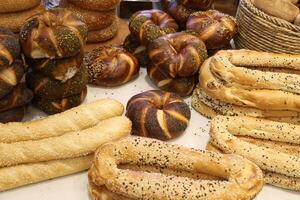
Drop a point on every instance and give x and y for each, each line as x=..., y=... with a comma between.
x=59, y=105
x=8, y=6
x=104, y=34
x=279, y=8
x=13, y=115
x=273, y=146
x=95, y=20
x=56, y=33
x=297, y=20
x=10, y=76
x=111, y=66
x=60, y=69
x=181, y=86
x=149, y=25
x=49, y=88
x=177, y=54
x=9, y=47
x=197, y=4
x=76, y=119
x=15, y=20
x=96, y=5
x=158, y=114
x=214, y=28
x=243, y=179
x=70, y=145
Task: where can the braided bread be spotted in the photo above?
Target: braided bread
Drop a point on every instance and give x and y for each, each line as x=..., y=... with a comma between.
x=158, y=114
x=216, y=29
x=8, y=6
x=9, y=47
x=56, y=33
x=273, y=146
x=111, y=66
x=242, y=178
x=149, y=25
x=96, y=5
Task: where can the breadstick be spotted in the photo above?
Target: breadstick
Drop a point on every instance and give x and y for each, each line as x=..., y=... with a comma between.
x=16, y=176
x=76, y=119
x=70, y=145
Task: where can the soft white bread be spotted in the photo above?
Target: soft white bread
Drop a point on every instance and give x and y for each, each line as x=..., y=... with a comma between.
x=76, y=119
x=70, y=145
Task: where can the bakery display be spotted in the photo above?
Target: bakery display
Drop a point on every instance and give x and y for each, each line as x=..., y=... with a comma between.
x=249, y=83
x=157, y=114
x=241, y=177
x=214, y=28
x=111, y=66
x=175, y=60
x=273, y=146
x=35, y=154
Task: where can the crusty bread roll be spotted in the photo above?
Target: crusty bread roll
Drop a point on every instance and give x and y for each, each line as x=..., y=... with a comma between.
x=9, y=6
x=282, y=9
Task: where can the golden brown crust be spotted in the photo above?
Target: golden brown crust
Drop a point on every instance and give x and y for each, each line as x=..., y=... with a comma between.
x=111, y=66
x=8, y=6
x=104, y=34
x=245, y=179
x=216, y=29
x=96, y=5
x=158, y=114
x=15, y=20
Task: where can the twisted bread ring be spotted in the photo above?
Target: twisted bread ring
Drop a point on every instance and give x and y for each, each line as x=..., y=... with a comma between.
x=8, y=6
x=244, y=178
x=9, y=47
x=273, y=146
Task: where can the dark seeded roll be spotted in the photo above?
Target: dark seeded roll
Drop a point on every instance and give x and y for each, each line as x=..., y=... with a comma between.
x=9, y=47
x=13, y=115
x=158, y=114
x=59, y=105
x=10, y=76
x=48, y=88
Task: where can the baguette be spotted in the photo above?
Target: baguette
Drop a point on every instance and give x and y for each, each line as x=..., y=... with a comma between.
x=70, y=145
x=76, y=119
x=16, y=176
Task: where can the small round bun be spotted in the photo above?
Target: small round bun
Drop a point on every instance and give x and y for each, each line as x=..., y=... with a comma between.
x=96, y=5
x=9, y=49
x=9, y=6
x=103, y=34
x=158, y=114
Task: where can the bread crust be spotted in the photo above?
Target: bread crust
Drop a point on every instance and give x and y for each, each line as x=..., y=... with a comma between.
x=8, y=6
x=104, y=34
x=96, y=5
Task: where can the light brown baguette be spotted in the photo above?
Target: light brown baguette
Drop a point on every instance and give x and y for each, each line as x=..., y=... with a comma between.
x=69, y=145
x=282, y=9
x=20, y=175
x=76, y=119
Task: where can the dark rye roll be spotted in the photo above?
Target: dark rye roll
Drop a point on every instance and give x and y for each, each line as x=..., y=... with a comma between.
x=49, y=88
x=9, y=47
x=13, y=115
x=158, y=114
x=111, y=66
x=59, y=105
x=149, y=25
x=10, y=76
x=60, y=69
x=56, y=33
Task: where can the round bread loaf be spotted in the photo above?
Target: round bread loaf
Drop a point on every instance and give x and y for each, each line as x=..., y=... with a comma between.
x=59, y=105
x=49, y=88
x=95, y=20
x=57, y=33
x=8, y=6
x=104, y=34
x=181, y=86
x=177, y=54
x=149, y=25
x=216, y=29
x=158, y=114
x=97, y=5
x=15, y=20
x=9, y=47
x=197, y=4
x=10, y=76
x=111, y=66
x=13, y=115
x=19, y=96
x=60, y=69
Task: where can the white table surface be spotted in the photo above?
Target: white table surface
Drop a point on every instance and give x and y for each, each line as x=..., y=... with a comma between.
x=74, y=187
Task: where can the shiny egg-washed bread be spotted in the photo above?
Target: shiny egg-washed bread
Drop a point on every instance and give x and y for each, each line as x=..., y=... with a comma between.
x=76, y=119
x=273, y=146
x=96, y=5
x=9, y=47
x=241, y=178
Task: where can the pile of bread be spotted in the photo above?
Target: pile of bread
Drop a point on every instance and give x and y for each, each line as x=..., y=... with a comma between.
x=53, y=45
x=99, y=15
x=283, y=9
